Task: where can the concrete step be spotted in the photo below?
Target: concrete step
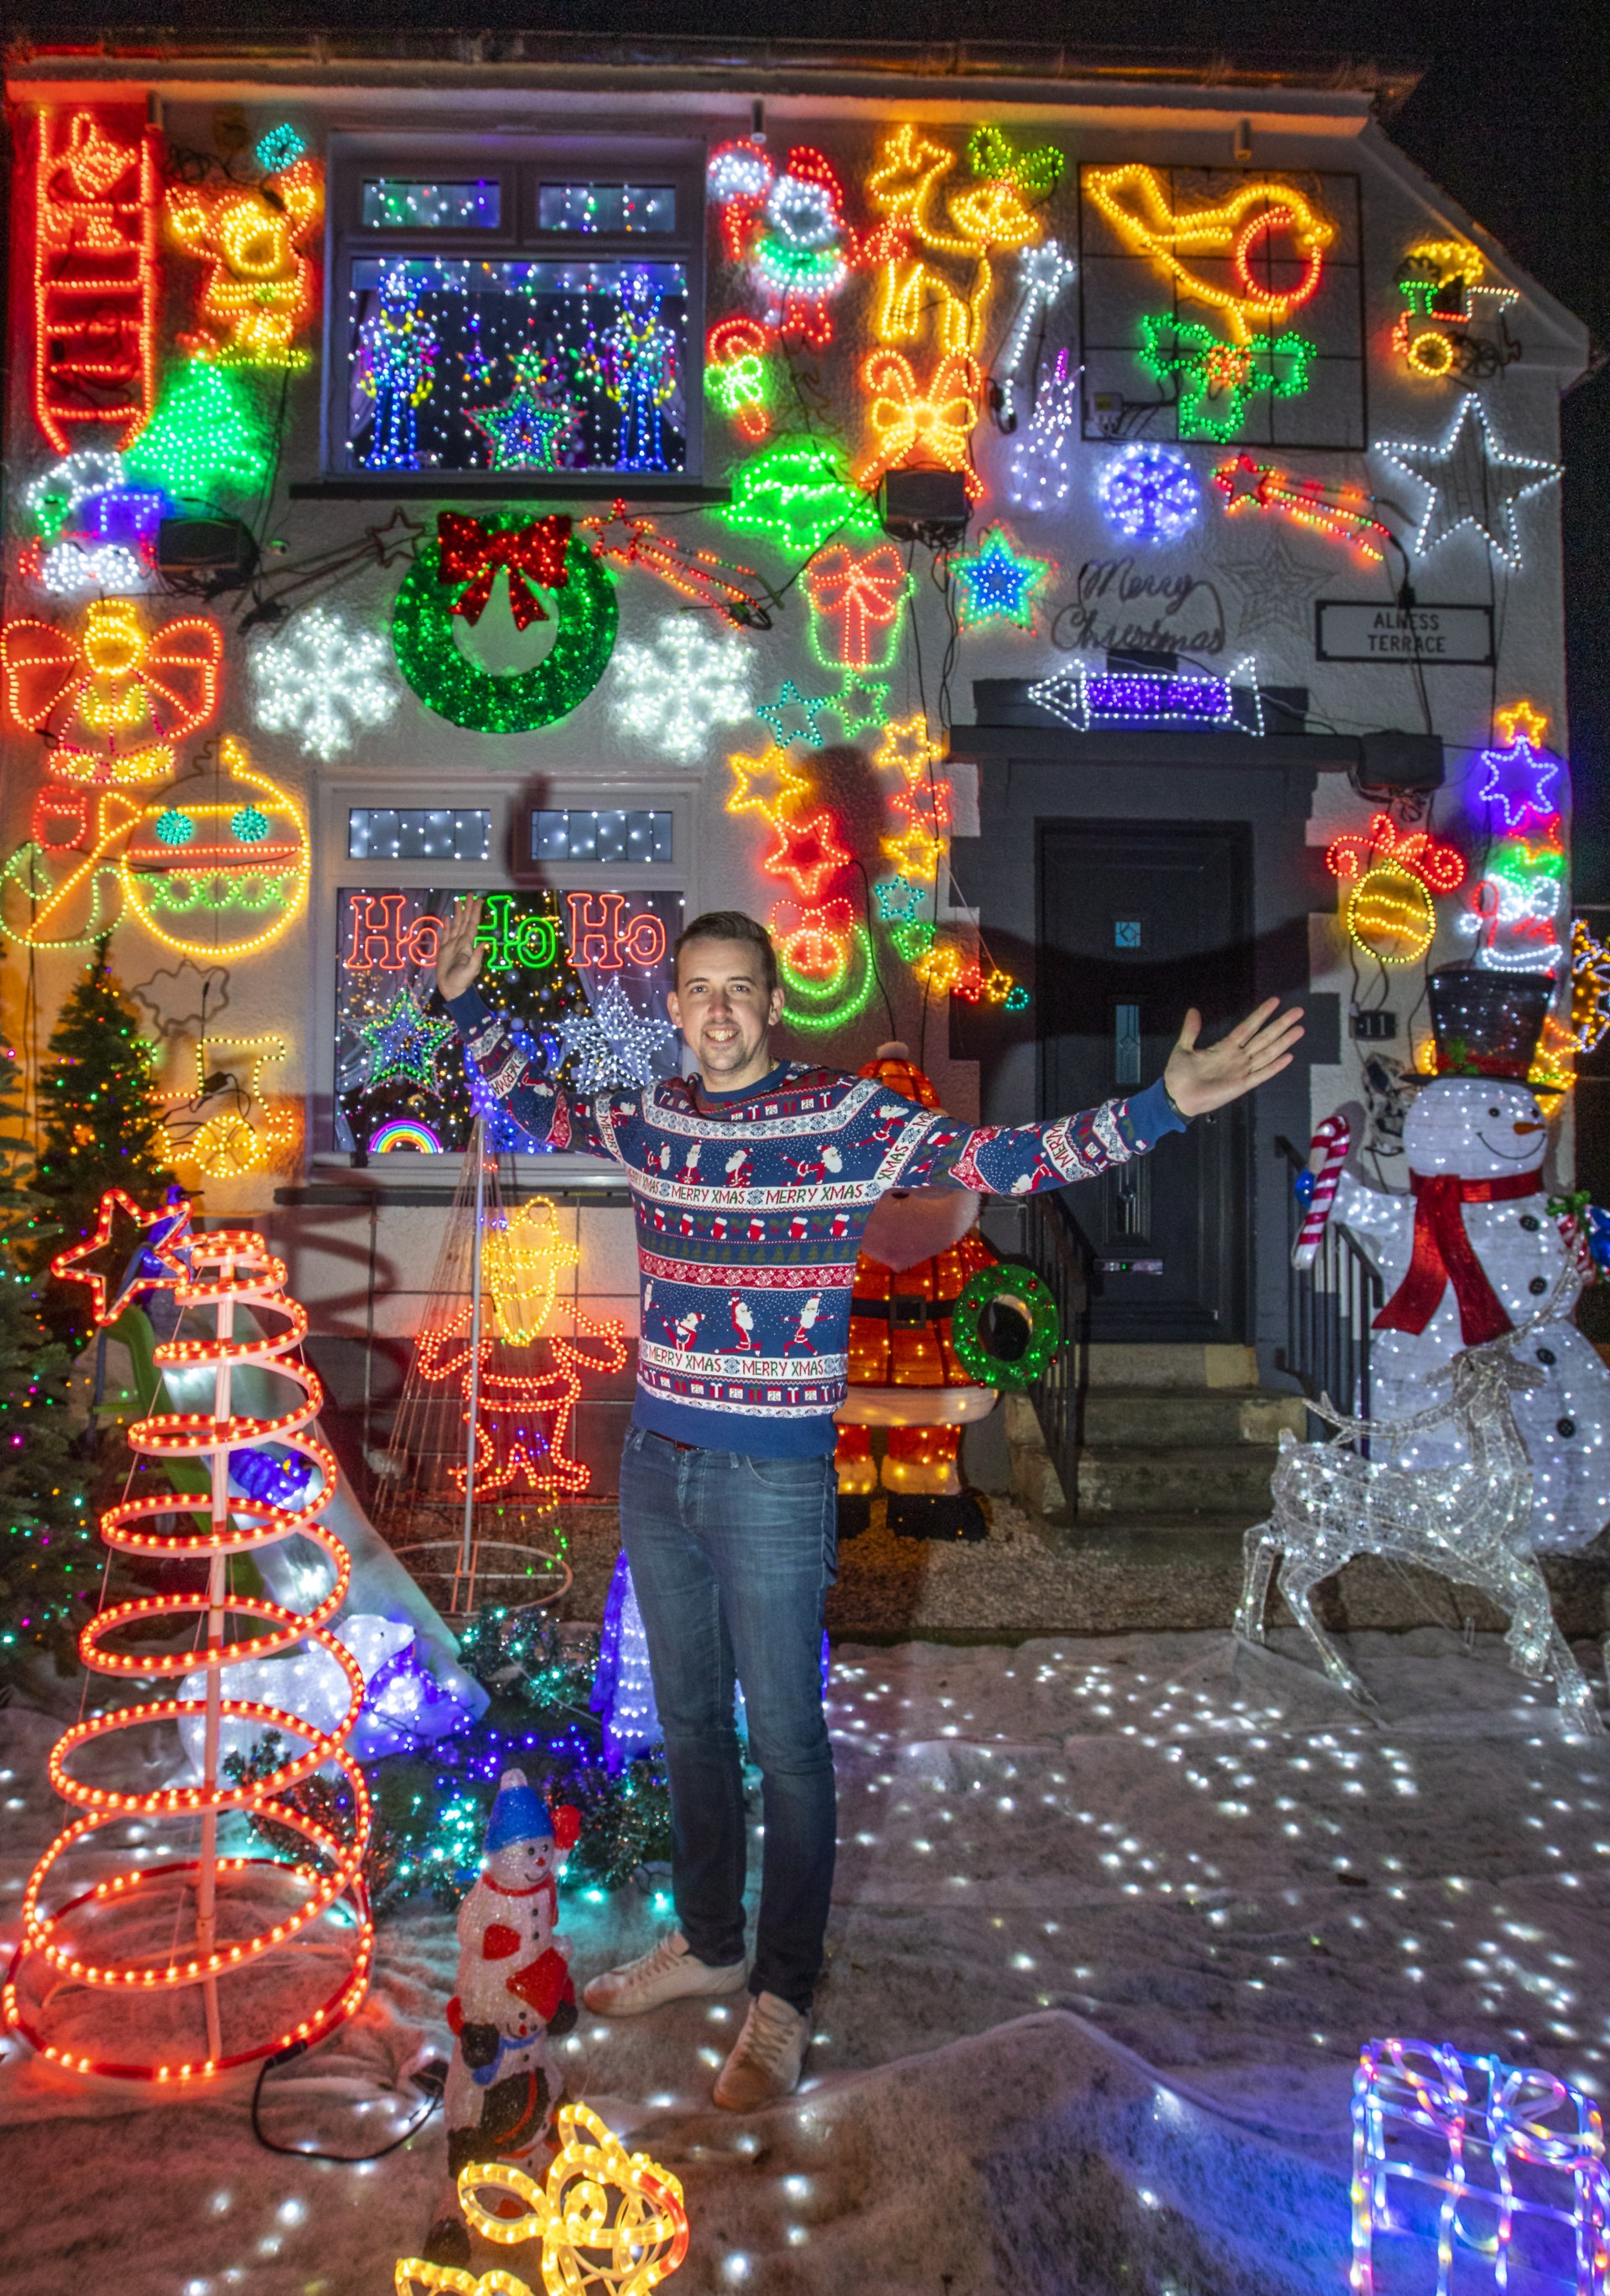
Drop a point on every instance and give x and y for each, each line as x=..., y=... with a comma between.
x=1177, y=1418
x=1162, y=1364
x=1208, y=1479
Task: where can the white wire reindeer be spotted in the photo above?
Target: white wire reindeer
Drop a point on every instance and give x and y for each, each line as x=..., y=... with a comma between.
x=1470, y=1523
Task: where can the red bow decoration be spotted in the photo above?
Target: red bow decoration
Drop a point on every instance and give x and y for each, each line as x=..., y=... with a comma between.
x=477, y=554
x=1383, y=846
x=1443, y=1253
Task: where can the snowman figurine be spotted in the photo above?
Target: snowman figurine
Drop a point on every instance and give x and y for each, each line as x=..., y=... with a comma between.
x=1472, y=1250
x=514, y=1994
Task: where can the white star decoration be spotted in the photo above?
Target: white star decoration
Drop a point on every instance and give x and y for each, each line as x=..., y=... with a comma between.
x=614, y=1043
x=1471, y=482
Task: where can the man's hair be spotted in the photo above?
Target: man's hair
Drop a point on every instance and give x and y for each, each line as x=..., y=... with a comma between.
x=730, y=924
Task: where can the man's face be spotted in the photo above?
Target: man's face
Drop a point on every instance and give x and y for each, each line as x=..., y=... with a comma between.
x=722, y=1006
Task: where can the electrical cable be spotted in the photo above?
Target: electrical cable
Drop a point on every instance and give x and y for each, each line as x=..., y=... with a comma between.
x=342, y=2160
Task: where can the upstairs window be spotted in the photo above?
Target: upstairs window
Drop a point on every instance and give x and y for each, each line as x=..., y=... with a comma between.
x=512, y=314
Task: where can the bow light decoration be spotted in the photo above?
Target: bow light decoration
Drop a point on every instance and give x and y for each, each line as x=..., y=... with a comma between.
x=932, y=426
x=475, y=555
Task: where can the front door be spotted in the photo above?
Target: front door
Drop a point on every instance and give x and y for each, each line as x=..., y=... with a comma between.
x=1139, y=919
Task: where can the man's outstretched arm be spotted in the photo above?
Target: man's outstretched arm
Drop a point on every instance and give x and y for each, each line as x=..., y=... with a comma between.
x=1019, y=1159
x=502, y=1067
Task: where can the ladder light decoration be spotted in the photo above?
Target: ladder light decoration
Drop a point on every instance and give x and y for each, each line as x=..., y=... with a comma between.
x=234, y=1958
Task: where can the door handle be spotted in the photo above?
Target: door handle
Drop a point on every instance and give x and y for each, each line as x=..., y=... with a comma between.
x=1126, y=1044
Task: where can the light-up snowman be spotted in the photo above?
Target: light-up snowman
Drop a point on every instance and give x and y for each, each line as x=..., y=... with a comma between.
x=1471, y=1251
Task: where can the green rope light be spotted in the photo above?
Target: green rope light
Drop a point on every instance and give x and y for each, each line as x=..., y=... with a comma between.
x=517, y=701
x=838, y=1015
x=1019, y=1288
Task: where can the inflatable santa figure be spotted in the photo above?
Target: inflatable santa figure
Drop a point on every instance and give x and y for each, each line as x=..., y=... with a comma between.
x=1471, y=1250
x=515, y=1994
x=921, y=1246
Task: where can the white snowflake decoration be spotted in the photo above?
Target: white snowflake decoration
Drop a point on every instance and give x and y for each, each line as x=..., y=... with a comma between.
x=323, y=681
x=614, y=1043
x=673, y=691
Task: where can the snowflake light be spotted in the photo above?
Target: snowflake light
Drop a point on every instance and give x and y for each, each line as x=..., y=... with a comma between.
x=614, y=1043
x=1149, y=493
x=323, y=681
x=672, y=692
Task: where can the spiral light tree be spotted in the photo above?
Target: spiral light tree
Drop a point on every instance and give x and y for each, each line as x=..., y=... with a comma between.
x=136, y=1962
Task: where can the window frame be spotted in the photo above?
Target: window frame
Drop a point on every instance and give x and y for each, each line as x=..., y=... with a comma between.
x=519, y=160
x=508, y=803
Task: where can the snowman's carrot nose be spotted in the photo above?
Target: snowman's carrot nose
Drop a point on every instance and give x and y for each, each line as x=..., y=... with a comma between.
x=1523, y=1128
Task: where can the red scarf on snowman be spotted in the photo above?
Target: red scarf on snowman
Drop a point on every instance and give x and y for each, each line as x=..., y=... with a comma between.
x=1444, y=1254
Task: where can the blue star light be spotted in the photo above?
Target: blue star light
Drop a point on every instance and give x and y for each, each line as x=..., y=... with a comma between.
x=1521, y=779
x=998, y=583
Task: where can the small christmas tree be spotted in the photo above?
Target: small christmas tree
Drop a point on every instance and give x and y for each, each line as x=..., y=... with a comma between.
x=102, y=1129
x=50, y=1560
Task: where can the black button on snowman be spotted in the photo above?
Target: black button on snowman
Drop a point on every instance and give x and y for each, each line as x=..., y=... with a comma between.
x=1461, y=1265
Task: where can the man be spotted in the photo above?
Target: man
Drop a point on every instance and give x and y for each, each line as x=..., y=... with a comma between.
x=727, y=1496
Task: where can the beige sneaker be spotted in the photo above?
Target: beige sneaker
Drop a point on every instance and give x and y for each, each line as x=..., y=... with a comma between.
x=766, y=2057
x=669, y=1973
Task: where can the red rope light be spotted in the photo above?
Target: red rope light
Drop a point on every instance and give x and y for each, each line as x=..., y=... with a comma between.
x=95, y=275
x=213, y=1275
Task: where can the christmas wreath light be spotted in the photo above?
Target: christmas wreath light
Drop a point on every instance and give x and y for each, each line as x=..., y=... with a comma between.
x=1020, y=1290
x=521, y=701
x=1149, y=493
x=209, y=1275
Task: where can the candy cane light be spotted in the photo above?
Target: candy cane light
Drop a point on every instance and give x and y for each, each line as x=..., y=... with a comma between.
x=234, y=1958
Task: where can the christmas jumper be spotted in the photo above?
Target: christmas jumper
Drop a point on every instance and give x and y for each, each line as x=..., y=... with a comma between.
x=750, y=1211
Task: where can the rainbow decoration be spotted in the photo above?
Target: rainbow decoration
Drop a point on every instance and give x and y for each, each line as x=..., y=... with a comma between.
x=417, y=1139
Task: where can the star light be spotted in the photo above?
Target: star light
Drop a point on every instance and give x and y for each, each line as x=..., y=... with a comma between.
x=325, y=681
x=1531, y=724
x=134, y=1269
x=522, y=433
x=767, y=783
x=860, y=704
x=998, y=583
x=811, y=707
x=405, y=1040
x=614, y=1043
x=906, y=745
x=807, y=851
x=1519, y=779
x=673, y=691
x=1470, y=482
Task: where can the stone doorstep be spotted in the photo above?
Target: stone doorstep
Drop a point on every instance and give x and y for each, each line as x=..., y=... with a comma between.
x=1169, y=1367
x=1224, y=1479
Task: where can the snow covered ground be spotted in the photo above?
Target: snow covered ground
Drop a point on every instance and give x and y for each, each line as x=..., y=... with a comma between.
x=1111, y=1918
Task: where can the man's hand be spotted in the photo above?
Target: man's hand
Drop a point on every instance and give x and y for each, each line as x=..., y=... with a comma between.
x=1256, y=1049
x=458, y=956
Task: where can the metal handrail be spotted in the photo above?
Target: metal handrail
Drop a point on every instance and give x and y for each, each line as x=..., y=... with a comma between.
x=1063, y=1256
x=1329, y=1310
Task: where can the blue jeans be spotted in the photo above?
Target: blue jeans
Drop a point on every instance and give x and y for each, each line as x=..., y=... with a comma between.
x=732, y=1558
